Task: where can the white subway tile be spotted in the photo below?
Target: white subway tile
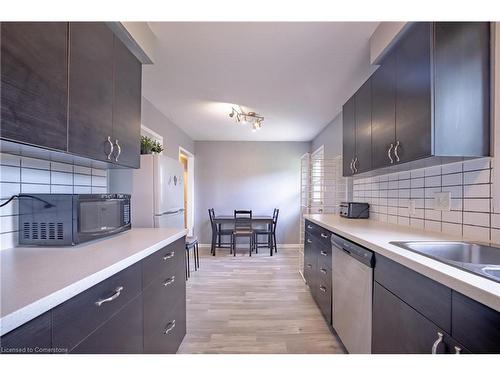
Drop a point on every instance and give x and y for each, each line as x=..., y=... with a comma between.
x=9, y=209
x=7, y=159
x=416, y=223
x=35, y=188
x=393, y=219
x=61, y=189
x=34, y=163
x=81, y=179
x=452, y=168
x=104, y=172
x=393, y=184
x=432, y=215
x=403, y=211
x=99, y=190
x=61, y=167
x=453, y=229
x=8, y=240
x=433, y=226
x=419, y=213
x=495, y=220
x=7, y=189
x=433, y=171
x=404, y=184
x=429, y=192
x=471, y=165
x=477, y=191
x=82, y=190
x=61, y=178
x=35, y=176
x=8, y=224
x=452, y=179
x=477, y=205
x=456, y=191
x=10, y=174
x=477, y=218
x=392, y=177
x=404, y=221
x=404, y=193
x=405, y=175
x=432, y=181
x=417, y=173
x=476, y=233
x=456, y=205
x=477, y=177
x=495, y=236
x=452, y=216
x=392, y=210
x=82, y=170
x=417, y=193
x=417, y=182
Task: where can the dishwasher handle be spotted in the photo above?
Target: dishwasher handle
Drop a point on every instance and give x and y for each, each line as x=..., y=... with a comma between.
x=356, y=251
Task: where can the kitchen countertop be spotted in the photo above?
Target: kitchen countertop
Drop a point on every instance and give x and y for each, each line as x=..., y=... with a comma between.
x=36, y=279
x=376, y=237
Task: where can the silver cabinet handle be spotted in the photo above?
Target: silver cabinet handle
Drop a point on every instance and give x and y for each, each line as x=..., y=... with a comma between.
x=309, y=227
x=324, y=235
x=115, y=295
x=169, y=281
x=354, y=165
x=323, y=253
x=119, y=150
x=112, y=147
x=309, y=241
x=352, y=168
x=169, y=327
x=396, y=151
x=322, y=270
x=389, y=153
x=309, y=265
x=458, y=350
x=437, y=342
x=322, y=288
x=168, y=256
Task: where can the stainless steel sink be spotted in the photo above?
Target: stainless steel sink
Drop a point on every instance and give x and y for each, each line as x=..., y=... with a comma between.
x=480, y=259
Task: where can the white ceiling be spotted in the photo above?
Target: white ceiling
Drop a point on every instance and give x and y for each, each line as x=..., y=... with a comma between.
x=297, y=75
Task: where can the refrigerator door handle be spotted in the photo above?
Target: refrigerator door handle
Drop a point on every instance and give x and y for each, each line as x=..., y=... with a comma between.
x=171, y=212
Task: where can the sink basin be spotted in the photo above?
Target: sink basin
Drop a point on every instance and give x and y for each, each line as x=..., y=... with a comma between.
x=480, y=259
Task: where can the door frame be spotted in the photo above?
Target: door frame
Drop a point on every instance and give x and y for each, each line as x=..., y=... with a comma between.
x=190, y=197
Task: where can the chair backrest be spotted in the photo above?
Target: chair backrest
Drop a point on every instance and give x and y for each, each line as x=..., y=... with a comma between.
x=275, y=218
x=243, y=219
x=211, y=214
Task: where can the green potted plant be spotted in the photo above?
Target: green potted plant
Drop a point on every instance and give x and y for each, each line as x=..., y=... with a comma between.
x=149, y=146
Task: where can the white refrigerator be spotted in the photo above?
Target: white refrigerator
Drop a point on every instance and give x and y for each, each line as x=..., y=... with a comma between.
x=158, y=193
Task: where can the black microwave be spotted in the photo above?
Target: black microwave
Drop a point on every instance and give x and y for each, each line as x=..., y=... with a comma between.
x=70, y=219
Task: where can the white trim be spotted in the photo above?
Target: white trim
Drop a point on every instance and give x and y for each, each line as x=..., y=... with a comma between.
x=190, y=198
x=318, y=150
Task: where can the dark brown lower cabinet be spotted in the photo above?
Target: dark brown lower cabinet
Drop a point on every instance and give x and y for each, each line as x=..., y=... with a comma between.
x=122, y=334
x=33, y=337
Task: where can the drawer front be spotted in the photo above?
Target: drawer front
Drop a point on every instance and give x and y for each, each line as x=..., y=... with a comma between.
x=78, y=317
x=431, y=299
x=324, y=254
x=33, y=337
x=319, y=232
x=164, y=262
x=323, y=297
x=165, y=315
x=122, y=334
x=475, y=325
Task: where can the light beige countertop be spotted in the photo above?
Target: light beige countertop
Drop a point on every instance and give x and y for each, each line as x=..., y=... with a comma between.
x=376, y=237
x=36, y=279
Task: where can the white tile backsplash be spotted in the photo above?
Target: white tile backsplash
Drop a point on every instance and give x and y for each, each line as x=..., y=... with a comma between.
x=469, y=183
x=29, y=175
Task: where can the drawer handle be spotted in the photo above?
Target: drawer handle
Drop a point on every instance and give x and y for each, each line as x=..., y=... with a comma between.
x=322, y=288
x=458, y=350
x=309, y=227
x=169, y=255
x=169, y=281
x=322, y=270
x=437, y=342
x=309, y=265
x=115, y=295
x=309, y=241
x=324, y=235
x=170, y=326
x=323, y=253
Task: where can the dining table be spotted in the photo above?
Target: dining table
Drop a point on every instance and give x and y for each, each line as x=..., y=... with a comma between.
x=257, y=220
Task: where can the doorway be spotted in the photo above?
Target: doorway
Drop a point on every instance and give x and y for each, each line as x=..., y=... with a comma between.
x=187, y=160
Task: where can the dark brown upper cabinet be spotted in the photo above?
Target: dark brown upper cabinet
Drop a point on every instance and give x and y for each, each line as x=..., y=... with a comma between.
x=126, y=106
x=349, y=136
x=73, y=87
x=363, y=158
x=430, y=98
x=34, y=83
x=91, y=90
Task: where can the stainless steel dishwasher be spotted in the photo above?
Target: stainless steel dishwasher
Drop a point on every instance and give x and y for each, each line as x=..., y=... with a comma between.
x=352, y=268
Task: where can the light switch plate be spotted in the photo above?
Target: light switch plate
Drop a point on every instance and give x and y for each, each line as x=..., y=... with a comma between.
x=412, y=207
x=442, y=201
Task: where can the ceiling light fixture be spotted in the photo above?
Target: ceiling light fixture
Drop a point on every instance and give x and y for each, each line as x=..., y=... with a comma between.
x=244, y=118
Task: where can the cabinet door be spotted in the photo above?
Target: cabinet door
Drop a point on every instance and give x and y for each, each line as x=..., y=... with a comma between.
x=462, y=88
x=90, y=89
x=126, y=106
x=348, y=136
x=399, y=329
x=34, y=69
x=384, y=112
x=32, y=337
x=122, y=334
x=309, y=261
x=413, y=93
x=363, y=155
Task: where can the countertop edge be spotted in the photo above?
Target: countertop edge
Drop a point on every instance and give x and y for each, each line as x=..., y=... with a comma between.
x=23, y=315
x=424, y=265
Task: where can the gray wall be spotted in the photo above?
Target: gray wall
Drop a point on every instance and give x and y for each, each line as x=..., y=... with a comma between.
x=249, y=175
x=330, y=137
x=121, y=180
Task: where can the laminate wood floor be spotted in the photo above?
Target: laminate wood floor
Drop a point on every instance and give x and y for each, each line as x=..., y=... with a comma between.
x=254, y=305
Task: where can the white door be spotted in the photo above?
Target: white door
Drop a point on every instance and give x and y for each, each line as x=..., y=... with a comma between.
x=168, y=184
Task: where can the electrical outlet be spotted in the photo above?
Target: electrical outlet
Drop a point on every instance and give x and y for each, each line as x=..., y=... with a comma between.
x=412, y=207
x=442, y=201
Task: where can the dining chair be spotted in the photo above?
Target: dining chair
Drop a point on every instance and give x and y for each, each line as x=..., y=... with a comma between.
x=217, y=233
x=270, y=232
x=192, y=244
x=242, y=228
